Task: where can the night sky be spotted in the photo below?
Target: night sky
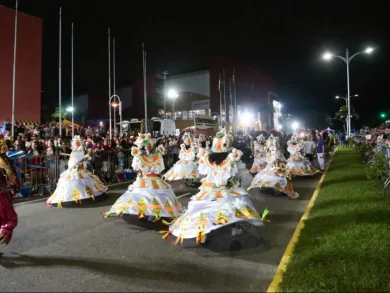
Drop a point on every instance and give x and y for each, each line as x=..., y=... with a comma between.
x=287, y=37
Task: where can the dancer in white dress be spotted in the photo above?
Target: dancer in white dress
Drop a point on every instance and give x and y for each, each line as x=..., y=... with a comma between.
x=275, y=175
x=260, y=154
x=149, y=196
x=297, y=164
x=220, y=201
x=76, y=184
x=185, y=168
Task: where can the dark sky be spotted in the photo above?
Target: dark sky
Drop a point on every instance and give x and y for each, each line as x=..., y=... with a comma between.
x=288, y=37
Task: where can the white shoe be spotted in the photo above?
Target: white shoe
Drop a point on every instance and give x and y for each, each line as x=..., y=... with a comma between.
x=294, y=196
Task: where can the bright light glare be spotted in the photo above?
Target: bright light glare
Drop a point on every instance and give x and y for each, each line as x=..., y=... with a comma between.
x=337, y=97
x=279, y=127
x=69, y=109
x=355, y=95
x=172, y=94
x=295, y=125
x=327, y=56
x=369, y=50
x=246, y=117
x=114, y=105
x=101, y=123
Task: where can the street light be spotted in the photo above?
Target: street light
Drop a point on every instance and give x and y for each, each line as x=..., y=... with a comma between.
x=295, y=125
x=71, y=110
x=172, y=94
x=347, y=59
x=114, y=105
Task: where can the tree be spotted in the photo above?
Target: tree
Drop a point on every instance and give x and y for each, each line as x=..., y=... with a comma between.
x=343, y=113
x=56, y=113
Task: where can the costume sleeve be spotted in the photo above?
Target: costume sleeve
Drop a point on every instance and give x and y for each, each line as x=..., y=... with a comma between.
x=8, y=217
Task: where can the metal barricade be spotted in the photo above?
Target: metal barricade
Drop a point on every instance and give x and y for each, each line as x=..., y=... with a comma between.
x=37, y=174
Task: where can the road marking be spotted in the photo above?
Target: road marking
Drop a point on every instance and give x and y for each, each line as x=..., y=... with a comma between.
x=184, y=195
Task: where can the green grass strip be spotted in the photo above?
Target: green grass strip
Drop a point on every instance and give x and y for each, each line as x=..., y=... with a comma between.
x=345, y=243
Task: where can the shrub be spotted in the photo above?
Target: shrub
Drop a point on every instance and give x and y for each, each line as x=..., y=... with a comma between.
x=378, y=171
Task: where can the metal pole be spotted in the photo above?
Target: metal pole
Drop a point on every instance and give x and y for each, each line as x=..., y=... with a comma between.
x=220, y=100
x=231, y=106
x=235, y=99
x=224, y=95
x=14, y=69
x=72, y=87
x=109, y=80
x=173, y=109
x=113, y=64
x=349, y=96
x=165, y=93
x=59, y=75
x=120, y=118
x=145, y=92
x=114, y=118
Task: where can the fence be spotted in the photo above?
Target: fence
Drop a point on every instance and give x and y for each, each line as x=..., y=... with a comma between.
x=38, y=175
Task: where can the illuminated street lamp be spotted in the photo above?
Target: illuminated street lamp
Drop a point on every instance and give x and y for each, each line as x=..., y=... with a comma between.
x=347, y=59
x=294, y=126
x=172, y=94
x=115, y=104
x=71, y=110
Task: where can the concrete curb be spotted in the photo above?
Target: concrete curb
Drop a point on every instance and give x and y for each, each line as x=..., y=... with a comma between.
x=278, y=278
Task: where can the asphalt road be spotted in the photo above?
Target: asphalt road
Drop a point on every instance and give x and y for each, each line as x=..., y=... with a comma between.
x=76, y=250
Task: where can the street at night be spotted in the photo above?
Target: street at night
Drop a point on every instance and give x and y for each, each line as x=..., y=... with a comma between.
x=75, y=249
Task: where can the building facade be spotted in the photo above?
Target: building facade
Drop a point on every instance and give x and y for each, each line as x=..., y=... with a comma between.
x=28, y=66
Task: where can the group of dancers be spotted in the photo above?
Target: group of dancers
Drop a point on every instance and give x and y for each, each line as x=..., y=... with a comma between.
x=220, y=200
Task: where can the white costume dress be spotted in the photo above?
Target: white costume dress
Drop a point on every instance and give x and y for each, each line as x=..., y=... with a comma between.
x=76, y=183
x=218, y=203
x=275, y=175
x=149, y=195
x=260, y=160
x=185, y=168
x=297, y=164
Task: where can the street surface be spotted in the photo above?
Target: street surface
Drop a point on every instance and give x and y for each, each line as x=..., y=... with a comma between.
x=76, y=250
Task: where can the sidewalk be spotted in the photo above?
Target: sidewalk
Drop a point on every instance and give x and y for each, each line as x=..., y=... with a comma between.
x=344, y=244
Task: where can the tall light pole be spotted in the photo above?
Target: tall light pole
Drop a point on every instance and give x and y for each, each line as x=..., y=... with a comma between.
x=109, y=79
x=114, y=105
x=172, y=94
x=347, y=59
x=346, y=104
x=145, y=87
x=59, y=73
x=14, y=69
x=72, y=90
x=165, y=73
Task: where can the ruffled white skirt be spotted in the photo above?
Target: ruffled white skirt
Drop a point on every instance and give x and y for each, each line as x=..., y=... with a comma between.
x=182, y=170
x=76, y=189
x=146, y=202
x=259, y=163
x=204, y=216
x=300, y=167
x=271, y=180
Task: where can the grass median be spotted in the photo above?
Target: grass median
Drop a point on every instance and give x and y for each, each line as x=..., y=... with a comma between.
x=345, y=243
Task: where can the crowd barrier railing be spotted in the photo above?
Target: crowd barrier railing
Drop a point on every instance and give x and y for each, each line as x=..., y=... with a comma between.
x=38, y=175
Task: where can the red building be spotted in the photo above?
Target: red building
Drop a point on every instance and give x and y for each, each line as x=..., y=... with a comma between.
x=28, y=65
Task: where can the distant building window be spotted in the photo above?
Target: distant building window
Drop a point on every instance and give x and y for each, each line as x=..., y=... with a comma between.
x=185, y=115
